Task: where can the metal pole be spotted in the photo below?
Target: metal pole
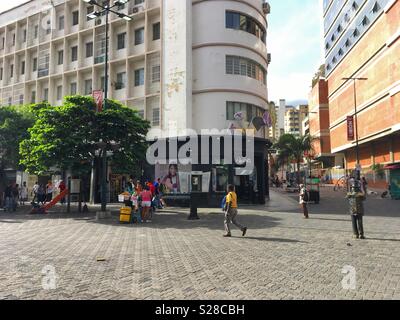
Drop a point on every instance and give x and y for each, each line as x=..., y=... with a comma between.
x=104, y=165
x=356, y=123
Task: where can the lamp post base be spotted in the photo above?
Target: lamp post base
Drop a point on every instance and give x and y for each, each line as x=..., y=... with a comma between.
x=100, y=215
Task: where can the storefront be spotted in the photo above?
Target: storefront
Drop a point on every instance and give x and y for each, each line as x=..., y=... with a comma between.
x=208, y=172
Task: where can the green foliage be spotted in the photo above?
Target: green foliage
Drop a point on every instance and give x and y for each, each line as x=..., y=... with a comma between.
x=291, y=147
x=14, y=124
x=66, y=136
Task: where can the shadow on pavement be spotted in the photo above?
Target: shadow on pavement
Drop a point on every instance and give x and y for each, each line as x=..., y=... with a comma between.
x=270, y=239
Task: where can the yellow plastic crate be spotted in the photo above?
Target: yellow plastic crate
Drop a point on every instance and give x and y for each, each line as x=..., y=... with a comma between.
x=126, y=218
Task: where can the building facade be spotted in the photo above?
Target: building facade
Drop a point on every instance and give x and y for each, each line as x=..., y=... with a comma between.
x=181, y=64
x=362, y=40
x=187, y=64
x=294, y=117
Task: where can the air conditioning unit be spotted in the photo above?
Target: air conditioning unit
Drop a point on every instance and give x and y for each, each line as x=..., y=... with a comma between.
x=269, y=58
x=98, y=21
x=136, y=9
x=266, y=8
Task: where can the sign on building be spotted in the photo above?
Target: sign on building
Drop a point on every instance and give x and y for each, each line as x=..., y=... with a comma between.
x=350, y=128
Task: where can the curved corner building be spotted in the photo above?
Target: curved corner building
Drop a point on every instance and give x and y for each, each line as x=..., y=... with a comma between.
x=181, y=63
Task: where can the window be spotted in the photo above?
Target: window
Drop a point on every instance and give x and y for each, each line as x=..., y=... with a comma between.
x=59, y=93
x=121, y=41
x=90, y=10
x=36, y=32
x=340, y=52
x=138, y=1
x=348, y=43
x=156, y=117
x=23, y=67
x=354, y=6
x=356, y=33
x=74, y=53
x=9, y=101
x=11, y=71
x=88, y=86
x=156, y=31
x=24, y=35
x=1, y=74
x=245, y=67
x=60, y=57
x=3, y=41
x=327, y=46
x=89, y=49
x=376, y=8
x=155, y=74
x=248, y=111
x=46, y=94
x=239, y=21
x=21, y=99
x=365, y=21
x=75, y=18
x=139, y=36
x=73, y=88
x=339, y=28
x=13, y=40
x=121, y=81
x=61, y=21
x=33, y=97
x=139, y=77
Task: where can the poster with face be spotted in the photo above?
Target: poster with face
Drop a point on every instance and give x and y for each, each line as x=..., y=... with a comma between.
x=175, y=178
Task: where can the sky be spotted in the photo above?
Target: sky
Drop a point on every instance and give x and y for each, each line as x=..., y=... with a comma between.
x=294, y=41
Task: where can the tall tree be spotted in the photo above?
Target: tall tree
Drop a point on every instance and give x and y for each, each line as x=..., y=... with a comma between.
x=293, y=147
x=14, y=125
x=67, y=136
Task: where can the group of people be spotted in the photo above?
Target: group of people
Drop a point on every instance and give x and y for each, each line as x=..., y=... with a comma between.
x=145, y=198
x=41, y=194
x=14, y=194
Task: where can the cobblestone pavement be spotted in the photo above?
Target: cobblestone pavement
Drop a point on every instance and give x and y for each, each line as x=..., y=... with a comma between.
x=283, y=256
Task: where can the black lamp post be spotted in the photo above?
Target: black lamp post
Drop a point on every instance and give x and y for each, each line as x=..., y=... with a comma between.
x=358, y=169
x=106, y=8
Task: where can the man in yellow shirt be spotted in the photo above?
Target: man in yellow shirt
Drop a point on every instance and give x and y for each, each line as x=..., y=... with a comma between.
x=231, y=211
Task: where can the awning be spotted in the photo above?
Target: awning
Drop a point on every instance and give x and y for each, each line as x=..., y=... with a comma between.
x=392, y=166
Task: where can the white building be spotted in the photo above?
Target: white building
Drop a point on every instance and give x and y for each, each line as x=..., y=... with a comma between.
x=182, y=64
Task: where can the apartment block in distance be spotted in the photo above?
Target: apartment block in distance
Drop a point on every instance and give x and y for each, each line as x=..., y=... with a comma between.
x=294, y=117
x=362, y=40
x=181, y=64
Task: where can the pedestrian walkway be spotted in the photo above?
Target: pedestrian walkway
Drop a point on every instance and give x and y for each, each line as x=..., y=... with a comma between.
x=283, y=256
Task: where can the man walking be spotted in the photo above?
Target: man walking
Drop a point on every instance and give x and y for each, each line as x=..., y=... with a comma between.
x=304, y=200
x=231, y=212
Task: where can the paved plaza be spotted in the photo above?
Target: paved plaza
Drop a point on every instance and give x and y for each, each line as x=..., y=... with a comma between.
x=283, y=257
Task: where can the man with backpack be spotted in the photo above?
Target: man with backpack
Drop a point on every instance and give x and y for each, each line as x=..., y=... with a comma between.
x=304, y=198
x=231, y=212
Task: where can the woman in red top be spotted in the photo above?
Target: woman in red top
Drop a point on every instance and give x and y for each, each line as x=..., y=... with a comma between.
x=146, y=203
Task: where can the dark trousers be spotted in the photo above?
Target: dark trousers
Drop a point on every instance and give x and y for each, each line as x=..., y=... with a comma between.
x=305, y=209
x=358, y=227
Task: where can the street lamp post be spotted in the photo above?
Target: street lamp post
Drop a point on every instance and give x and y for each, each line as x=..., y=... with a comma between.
x=106, y=9
x=354, y=79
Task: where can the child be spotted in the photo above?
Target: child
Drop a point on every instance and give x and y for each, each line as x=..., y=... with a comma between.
x=231, y=211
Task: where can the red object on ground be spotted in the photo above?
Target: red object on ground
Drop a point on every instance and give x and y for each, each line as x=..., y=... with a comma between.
x=55, y=200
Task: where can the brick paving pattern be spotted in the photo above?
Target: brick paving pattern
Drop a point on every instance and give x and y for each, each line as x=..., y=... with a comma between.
x=283, y=256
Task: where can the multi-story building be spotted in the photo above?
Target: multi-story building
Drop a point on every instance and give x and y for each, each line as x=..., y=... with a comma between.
x=190, y=64
x=362, y=40
x=182, y=64
x=294, y=117
x=324, y=163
